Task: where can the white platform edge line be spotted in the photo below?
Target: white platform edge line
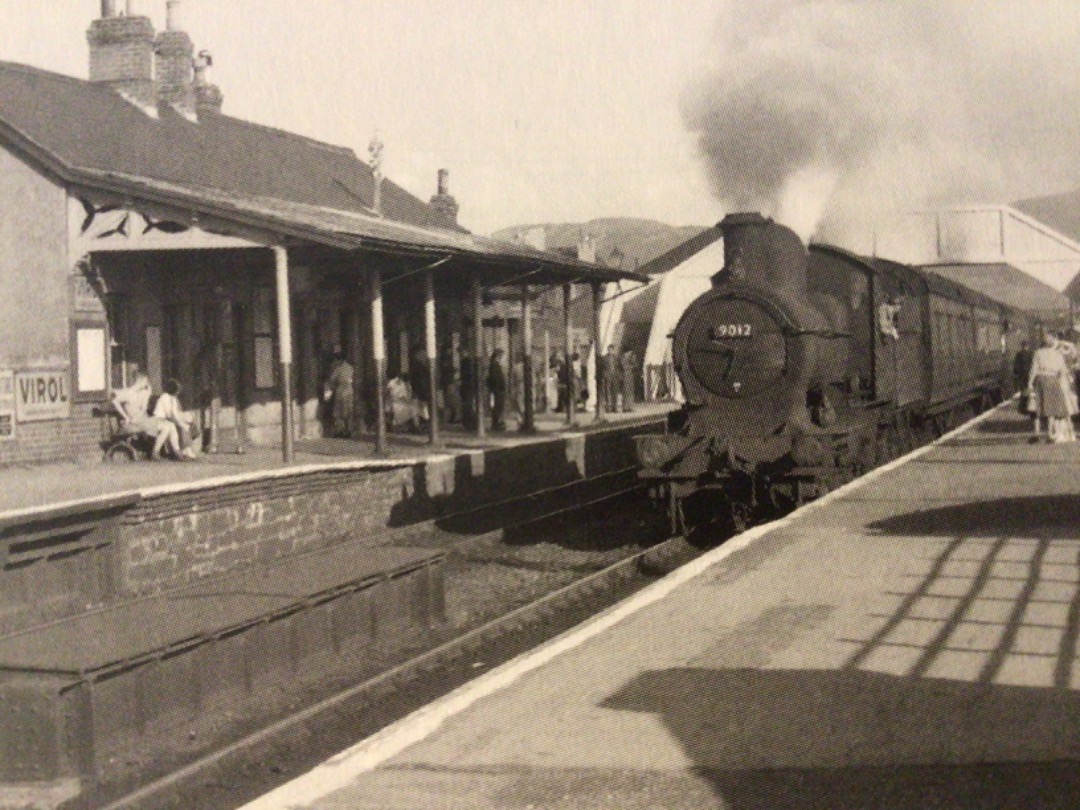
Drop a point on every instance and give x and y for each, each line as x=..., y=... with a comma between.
x=338, y=771
x=221, y=480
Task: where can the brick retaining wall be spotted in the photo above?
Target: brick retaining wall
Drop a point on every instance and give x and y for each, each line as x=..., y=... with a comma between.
x=75, y=438
x=173, y=536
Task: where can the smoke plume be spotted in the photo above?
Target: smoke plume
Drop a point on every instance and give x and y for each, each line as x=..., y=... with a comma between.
x=835, y=117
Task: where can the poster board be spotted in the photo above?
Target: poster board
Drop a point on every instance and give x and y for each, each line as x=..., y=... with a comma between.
x=7, y=404
x=42, y=395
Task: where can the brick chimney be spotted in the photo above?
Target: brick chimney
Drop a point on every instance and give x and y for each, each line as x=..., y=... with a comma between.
x=444, y=208
x=122, y=52
x=174, y=63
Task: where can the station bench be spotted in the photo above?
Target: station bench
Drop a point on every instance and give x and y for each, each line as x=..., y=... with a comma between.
x=76, y=691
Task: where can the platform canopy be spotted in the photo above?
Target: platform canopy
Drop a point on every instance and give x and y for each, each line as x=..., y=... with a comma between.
x=356, y=231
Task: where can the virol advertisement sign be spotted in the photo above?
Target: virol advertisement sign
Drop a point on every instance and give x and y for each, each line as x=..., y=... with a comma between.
x=42, y=395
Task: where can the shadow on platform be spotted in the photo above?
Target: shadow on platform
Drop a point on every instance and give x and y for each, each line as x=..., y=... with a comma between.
x=1036, y=516
x=820, y=740
x=958, y=687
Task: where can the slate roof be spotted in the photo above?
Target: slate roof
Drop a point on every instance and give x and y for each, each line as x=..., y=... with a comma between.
x=1007, y=284
x=354, y=229
x=1060, y=211
x=89, y=125
x=87, y=133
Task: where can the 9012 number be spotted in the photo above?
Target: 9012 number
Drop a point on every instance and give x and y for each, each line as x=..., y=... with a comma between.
x=731, y=330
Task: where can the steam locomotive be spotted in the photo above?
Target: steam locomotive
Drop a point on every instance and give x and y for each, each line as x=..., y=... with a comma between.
x=802, y=368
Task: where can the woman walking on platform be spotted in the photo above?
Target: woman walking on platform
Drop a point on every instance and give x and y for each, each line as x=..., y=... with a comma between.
x=1048, y=386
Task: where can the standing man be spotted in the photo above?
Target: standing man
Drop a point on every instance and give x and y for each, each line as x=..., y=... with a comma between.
x=629, y=380
x=562, y=382
x=448, y=384
x=339, y=392
x=496, y=384
x=468, y=390
x=610, y=371
x=1021, y=368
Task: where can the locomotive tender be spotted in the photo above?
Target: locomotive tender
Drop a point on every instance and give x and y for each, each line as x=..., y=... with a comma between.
x=803, y=368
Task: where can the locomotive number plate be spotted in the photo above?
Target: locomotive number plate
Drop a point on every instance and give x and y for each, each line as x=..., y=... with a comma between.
x=731, y=330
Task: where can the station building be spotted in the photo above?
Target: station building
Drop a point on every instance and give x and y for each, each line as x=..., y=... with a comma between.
x=143, y=227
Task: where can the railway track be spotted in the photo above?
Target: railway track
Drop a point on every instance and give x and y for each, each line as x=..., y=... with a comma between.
x=508, y=590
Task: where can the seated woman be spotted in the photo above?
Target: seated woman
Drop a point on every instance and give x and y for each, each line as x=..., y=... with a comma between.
x=132, y=403
x=168, y=407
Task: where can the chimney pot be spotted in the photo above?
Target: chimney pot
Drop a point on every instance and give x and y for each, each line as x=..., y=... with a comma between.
x=175, y=64
x=444, y=208
x=108, y=8
x=173, y=16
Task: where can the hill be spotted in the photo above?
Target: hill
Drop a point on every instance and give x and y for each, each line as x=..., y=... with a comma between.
x=639, y=240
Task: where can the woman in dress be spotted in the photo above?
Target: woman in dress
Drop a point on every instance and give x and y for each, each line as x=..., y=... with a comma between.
x=1048, y=382
x=168, y=407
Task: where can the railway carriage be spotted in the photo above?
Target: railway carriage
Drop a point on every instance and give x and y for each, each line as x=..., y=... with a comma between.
x=802, y=368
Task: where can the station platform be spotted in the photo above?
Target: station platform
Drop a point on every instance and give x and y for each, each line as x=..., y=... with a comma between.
x=28, y=486
x=78, y=537
x=908, y=641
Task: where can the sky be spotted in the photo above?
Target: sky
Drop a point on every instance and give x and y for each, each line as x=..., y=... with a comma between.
x=833, y=115
x=542, y=110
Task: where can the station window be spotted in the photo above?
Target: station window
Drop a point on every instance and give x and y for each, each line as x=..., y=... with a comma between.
x=263, y=322
x=91, y=360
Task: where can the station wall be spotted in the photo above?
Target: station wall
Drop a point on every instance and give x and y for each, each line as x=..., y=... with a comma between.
x=35, y=306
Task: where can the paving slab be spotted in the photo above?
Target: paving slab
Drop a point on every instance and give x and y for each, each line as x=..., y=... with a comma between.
x=911, y=642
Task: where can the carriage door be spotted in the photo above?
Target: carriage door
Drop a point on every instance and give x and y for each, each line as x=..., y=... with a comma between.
x=911, y=383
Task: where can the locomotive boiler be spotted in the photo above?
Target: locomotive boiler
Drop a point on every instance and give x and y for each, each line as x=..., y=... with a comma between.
x=801, y=368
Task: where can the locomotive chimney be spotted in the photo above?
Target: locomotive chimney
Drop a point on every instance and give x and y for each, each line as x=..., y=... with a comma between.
x=762, y=252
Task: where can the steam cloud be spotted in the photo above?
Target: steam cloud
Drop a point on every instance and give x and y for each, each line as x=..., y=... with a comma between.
x=836, y=116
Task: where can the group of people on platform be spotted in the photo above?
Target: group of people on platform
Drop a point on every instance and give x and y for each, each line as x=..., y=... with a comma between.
x=1048, y=378
x=409, y=403
x=162, y=418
